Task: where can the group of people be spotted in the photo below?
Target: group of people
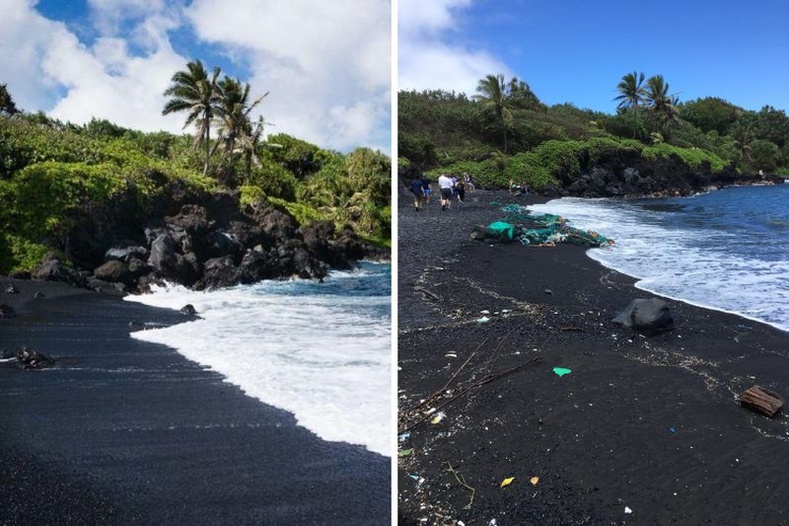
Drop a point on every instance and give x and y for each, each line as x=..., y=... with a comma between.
x=449, y=186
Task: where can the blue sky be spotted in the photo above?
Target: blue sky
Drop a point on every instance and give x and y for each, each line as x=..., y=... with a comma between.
x=326, y=65
x=578, y=50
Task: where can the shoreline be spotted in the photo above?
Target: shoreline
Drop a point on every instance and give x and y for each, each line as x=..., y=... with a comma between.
x=126, y=431
x=726, y=297
x=649, y=425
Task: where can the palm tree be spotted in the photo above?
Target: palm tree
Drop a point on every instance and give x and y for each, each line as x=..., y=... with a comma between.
x=232, y=116
x=194, y=92
x=6, y=101
x=631, y=94
x=494, y=96
x=742, y=134
x=663, y=105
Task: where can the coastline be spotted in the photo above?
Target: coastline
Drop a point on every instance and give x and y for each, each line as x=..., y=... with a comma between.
x=643, y=431
x=129, y=432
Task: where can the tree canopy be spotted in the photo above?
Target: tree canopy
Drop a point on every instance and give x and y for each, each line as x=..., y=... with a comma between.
x=439, y=129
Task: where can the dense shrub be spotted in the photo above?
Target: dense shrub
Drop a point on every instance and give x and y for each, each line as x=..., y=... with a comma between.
x=691, y=156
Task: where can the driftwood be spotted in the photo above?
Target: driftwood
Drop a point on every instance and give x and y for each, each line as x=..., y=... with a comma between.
x=427, y=292
x=762, y=401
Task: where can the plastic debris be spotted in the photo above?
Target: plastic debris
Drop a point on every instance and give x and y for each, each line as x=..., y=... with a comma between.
x=405, y=436
x=438, y=418
x=405, y=453
x=519, y=224
x=628, y=510
x=561, y=371
x=483, y=319
x=507, y=481
x=534, y=480
x=672, y=429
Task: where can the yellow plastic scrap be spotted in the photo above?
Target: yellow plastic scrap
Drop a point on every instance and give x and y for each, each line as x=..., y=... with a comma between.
x=507, y=481
x=534, y=480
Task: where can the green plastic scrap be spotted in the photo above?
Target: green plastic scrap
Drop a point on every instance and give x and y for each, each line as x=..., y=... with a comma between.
x=561, y=371
x=501, y=229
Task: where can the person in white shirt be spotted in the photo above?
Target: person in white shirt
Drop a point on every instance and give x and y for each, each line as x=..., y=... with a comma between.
x=446, y=186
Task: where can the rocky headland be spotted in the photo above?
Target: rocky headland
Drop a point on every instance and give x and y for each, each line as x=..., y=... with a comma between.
x=200, y=240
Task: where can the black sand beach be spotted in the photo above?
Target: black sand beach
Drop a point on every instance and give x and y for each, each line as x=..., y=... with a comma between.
x=644, y=430
x=121, y=431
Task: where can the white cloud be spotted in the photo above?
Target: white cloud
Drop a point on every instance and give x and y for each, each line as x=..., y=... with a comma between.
x=25, y=37
x=326, y=64
x=430, y=58
x=321, y=62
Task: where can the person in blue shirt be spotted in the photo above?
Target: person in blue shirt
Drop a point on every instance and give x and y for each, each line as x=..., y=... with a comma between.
x=419, y=193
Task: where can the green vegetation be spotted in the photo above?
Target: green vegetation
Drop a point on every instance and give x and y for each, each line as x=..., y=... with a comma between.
x=504, y=132
x=55, y=176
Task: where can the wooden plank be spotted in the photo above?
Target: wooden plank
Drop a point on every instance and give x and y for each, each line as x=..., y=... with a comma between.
x=762, y=400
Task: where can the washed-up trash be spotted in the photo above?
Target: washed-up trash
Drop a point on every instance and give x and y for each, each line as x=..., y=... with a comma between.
x=519, y=224
x=405, y=436
x=628, y=510
x=507, y=481
x=405, y=453
x=672, y=429
x=438, y=418
x=762, y=400
x=534, y=480
x=483, y=319
x=561, y=371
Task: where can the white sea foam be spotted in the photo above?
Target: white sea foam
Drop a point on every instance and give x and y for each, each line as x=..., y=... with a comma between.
x=695, y=265
x=326, y=358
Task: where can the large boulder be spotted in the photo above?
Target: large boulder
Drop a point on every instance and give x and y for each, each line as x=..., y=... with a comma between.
x=307, y=266
x=276, y=226
x=167, y=263
x=218, y=273
x=124, y=251
x=219, y=243
x=52, y=269
x=114, y=271
x=255, y=266
x=647, y=316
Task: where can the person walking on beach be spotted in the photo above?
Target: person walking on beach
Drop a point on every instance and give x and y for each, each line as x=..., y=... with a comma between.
x=427, y=189
x=469, y=183
x=419, y=193
x=445, y=184
x=460, y=188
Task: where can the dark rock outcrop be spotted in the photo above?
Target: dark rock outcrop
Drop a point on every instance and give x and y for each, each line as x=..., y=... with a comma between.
x=197, y=239
x=628, y=174
x=32, y=359
x=52, y=269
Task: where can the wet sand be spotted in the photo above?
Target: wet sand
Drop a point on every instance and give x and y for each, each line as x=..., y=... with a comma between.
x=644, y=430
x=122, y=431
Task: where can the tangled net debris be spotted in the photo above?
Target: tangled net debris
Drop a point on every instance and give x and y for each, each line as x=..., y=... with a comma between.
x=519, y=224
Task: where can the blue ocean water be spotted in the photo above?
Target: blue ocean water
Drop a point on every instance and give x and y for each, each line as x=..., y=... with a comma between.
x=321, y=351
x=727, y=250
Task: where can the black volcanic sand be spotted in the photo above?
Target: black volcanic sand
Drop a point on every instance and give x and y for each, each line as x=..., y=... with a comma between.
x=652, y=426
x=122, y=431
